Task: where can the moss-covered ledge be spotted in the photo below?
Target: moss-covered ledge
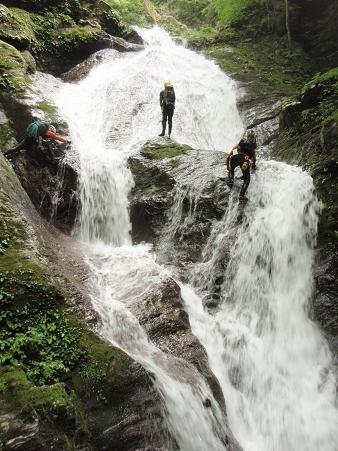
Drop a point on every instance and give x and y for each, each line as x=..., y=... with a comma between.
x=155, y=150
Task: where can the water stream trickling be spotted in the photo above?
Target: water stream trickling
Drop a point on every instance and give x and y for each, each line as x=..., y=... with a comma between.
x=271, y=360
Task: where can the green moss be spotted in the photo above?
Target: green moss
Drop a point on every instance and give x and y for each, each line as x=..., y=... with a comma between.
x=159, y=152
x=27, y=396
x=46, y=107
x=103, y=368
x=57, y=35
x=129, y=11
x=57, y=412
x=13, y=69
x=12, y=231
x=329, y=78
x=16, y=27
x=266, y=61
x=230, y=10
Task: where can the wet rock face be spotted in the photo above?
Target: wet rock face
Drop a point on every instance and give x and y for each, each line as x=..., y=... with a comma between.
x=163, y=170
x=162, y=315
x=324, y=303
x=48, y=173
x=131, y=416
x=82, y=69
x=50, y=182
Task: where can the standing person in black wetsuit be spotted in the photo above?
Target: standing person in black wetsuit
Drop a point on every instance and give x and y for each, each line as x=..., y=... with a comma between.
x=242, y=154
x=167, y=102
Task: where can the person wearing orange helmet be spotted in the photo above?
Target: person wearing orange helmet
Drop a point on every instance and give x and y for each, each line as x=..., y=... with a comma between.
x=167, y=103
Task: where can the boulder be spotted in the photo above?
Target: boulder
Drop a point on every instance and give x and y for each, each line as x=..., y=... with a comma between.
x=164, y=170
x=16, y=27
x=14, y=69
x=124, y=46
x=70, y=45
x=81, y=70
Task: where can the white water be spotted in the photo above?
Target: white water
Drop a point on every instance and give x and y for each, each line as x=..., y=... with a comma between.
x=271, y=361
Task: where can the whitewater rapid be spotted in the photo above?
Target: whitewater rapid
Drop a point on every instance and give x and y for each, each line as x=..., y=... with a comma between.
x=272, y=362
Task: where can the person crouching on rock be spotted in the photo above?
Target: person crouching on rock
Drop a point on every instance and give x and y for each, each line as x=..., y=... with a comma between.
x=35, y=132
x=243, y=155
x=167, y=103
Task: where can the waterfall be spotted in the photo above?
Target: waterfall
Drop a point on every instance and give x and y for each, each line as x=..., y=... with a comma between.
x=272, y=362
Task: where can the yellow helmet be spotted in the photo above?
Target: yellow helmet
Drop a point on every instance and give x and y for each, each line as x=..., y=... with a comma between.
x=167, y=84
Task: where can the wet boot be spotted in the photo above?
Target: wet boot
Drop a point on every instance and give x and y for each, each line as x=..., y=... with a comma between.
x=170, y=128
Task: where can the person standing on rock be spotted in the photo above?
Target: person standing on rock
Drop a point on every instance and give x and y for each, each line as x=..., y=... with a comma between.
x=243, y=155
x=35, y=132
x=167, y=103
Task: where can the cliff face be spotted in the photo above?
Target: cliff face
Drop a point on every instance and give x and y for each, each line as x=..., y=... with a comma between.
x=62, y=386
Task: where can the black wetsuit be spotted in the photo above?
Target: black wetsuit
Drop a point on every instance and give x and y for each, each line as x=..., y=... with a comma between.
x=167, y=102
x=246, y=152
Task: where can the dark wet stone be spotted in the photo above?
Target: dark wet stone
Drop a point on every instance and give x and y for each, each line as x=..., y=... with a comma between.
x=82, y=69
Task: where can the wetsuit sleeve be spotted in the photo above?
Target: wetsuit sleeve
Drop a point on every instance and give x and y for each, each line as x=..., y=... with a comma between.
x=161, y=98
x=53, y=135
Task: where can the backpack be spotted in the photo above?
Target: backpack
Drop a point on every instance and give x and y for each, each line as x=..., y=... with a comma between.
x=169, y=97
x=36, y=129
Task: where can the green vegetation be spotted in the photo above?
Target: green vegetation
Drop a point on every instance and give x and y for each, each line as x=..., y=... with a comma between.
x=58, y=35
x=130, y=12
x=46, y=107
x=267, y=61
x=310, y=138
x=16, y=27
x=159, y=152
x=230, y=10
x=215, y=13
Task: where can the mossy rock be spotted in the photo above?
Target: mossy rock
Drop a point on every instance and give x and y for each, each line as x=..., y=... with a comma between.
x=61, y=43
x=27, y=396
x=157, y=151
x=31, y=63
x=16, y=27
x=49, y=413
x=13, y=69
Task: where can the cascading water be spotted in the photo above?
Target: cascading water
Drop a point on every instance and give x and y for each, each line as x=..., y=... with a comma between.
x=271, y=361
x=110, y=113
